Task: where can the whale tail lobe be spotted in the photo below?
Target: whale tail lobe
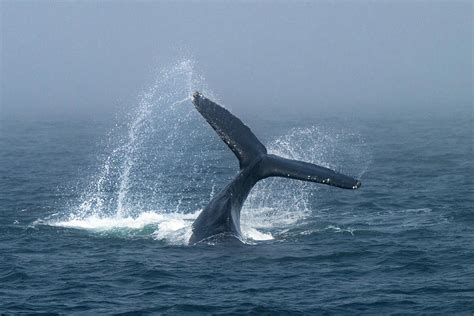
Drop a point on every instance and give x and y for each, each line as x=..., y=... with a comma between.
x=247, y=148
x=231, y=130
x=275, y=166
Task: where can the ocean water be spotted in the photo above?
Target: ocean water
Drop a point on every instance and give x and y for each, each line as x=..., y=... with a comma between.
x=95, y=215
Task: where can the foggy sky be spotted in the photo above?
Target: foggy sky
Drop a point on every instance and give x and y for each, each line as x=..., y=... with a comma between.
x=88, y=58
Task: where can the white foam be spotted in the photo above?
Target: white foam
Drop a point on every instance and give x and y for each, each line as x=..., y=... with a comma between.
x=252, y=233
x=173, y=228
x=98, y=223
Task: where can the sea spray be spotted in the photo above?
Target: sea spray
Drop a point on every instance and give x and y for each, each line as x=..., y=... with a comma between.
x=154, y=129
x=287, y=202
x=166, y=164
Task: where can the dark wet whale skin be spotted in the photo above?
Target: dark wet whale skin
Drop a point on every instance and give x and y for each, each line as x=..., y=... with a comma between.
x=222, y=214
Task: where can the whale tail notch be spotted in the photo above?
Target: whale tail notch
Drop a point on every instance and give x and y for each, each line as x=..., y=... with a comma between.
x=247, y=148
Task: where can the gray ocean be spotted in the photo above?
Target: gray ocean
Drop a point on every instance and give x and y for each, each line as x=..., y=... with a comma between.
x=95, y=214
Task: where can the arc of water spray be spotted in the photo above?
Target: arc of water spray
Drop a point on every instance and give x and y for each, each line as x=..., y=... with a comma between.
x=145, y=108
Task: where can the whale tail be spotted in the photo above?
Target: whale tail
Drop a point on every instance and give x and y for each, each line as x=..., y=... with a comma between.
x=247, y=148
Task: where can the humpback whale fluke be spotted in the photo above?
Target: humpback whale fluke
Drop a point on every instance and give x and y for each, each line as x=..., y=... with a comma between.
x=222, y=214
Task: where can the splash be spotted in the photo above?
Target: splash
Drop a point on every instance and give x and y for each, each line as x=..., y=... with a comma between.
x=160, y=112
x=145, y=155
x=275, y=204
x=164, y=164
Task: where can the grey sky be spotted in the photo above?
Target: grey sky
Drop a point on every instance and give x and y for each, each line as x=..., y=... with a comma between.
x=88, y=58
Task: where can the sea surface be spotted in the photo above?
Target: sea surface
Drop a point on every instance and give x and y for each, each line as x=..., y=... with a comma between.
x=95, y=215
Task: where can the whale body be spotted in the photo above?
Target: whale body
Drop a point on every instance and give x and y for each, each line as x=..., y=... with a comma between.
x=221, y=217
